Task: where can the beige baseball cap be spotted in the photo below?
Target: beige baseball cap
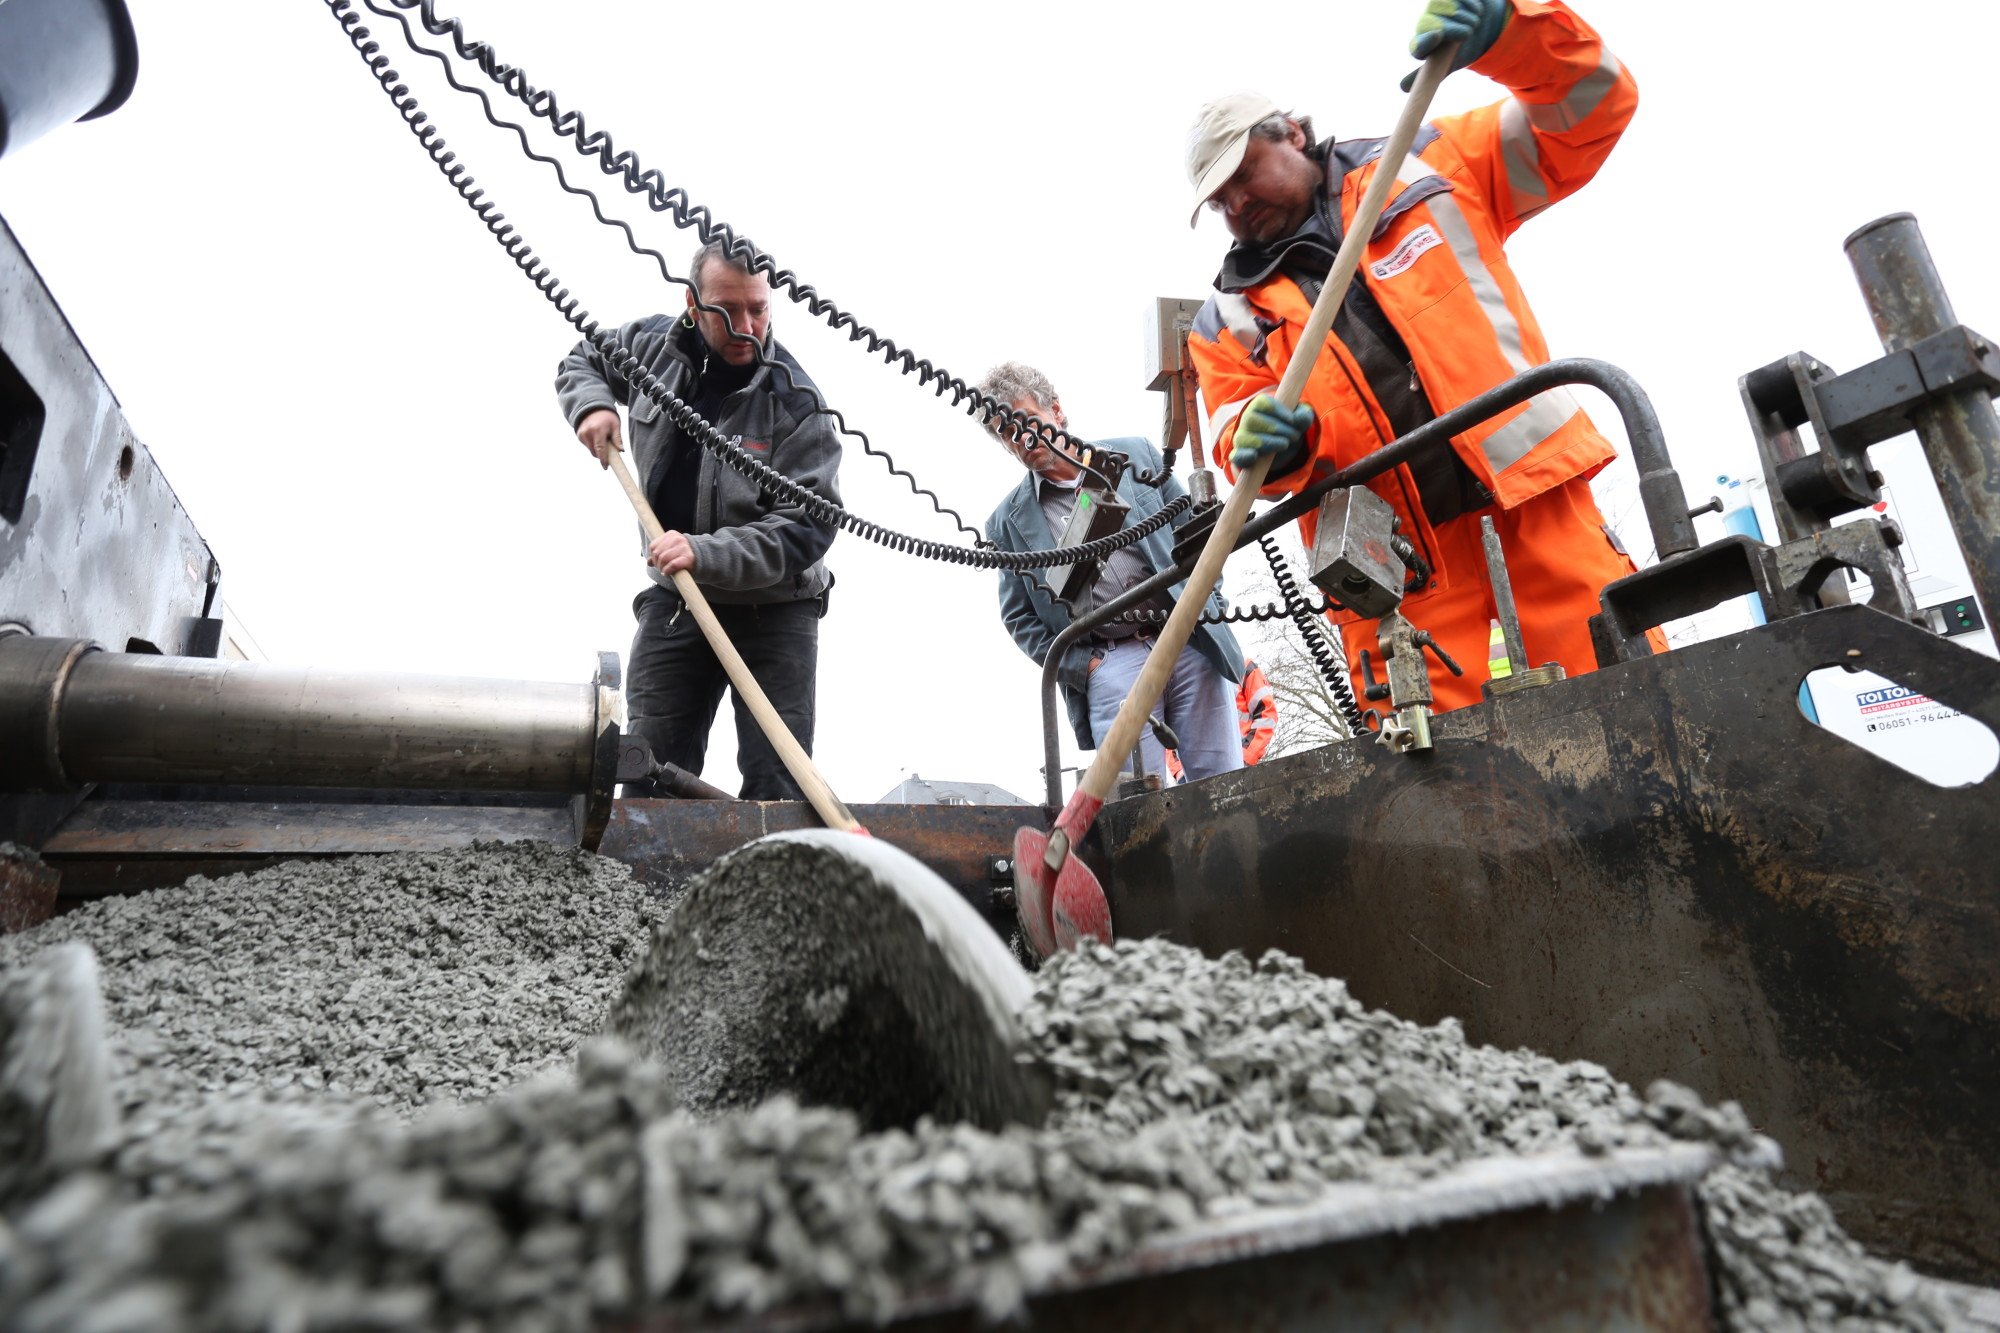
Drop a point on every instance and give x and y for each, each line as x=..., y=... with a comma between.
x=1220, y=137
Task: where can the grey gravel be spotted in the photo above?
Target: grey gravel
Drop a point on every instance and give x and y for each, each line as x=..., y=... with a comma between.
x=1185, y=1088
x=1783, y=1264
x=387, y=982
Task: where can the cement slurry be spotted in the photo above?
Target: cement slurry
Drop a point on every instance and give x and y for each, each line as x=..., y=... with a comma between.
x=1184, y=1088
x=838, y=970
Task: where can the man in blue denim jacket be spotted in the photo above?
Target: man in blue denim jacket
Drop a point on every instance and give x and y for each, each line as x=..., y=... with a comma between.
x=1098, y=671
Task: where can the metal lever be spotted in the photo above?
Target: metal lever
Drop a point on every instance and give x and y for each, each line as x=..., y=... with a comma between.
x=1503, y=593
x=1424, y=640
x=1372, y=689
x=1522, y=675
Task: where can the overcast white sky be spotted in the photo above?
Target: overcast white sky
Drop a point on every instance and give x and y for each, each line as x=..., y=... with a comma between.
x=349, y=385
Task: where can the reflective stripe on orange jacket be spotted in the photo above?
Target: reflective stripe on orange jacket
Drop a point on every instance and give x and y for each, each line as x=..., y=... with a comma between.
x=1256, y=713
x=1436, y=267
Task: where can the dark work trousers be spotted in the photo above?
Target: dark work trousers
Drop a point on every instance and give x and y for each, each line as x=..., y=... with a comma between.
x=674, y=683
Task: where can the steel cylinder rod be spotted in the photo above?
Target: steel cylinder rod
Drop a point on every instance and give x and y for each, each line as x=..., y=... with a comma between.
x=71, y=715
x=1960, y=431
x=1503, y=594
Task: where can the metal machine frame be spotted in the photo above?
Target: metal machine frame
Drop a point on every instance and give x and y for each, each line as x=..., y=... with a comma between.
x=132, y=757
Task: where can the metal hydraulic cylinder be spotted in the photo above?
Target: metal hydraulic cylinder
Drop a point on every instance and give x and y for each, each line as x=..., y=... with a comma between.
x=70, y=714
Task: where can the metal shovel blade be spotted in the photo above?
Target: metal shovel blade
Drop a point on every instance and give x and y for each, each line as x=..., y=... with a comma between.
x=838, y=971
x=1034, y=890
x=1079, y=910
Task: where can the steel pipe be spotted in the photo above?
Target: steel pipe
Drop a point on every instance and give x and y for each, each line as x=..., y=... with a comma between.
x=1960, y=431
x=72, y=715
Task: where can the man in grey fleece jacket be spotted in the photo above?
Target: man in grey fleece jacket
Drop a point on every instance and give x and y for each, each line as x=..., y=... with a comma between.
x=758, y=559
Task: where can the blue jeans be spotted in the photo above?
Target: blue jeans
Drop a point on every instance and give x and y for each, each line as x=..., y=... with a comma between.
x=1199, y=704
x=674, y=683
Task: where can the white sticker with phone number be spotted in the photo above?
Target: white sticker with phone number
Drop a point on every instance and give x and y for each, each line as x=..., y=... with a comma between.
x=1422, y=239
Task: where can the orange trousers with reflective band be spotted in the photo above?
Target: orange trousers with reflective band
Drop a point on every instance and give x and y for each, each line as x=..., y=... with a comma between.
x=1559, y=558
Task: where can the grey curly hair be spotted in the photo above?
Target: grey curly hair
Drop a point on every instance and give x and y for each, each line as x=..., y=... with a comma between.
x=1015, y=379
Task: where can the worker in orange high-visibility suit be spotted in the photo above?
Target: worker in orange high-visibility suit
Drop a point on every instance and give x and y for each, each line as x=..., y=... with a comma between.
x=1256, y=718
x=1433, y=318
x=1256, y=712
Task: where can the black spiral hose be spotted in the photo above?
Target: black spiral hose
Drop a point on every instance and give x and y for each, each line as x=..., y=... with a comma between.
x=1289, y=609
x=1235, y=615
x=1306, y=618
x=632, y=243
x=1304, y=615
x=672, y=200
x=816, y=506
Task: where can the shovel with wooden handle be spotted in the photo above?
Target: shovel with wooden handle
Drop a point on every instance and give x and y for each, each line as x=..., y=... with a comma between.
x=797, y=762
x=1056, y=896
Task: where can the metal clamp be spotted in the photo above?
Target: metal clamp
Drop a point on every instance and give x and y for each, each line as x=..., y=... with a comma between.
x=1849, y=413
x=1408, y=728
x=1808, y=488
x=1787, y=580
x=1873, y=403
x=1805, y=566
x=1679, y=586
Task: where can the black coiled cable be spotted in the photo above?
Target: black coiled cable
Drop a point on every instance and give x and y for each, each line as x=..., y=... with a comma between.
x=1303, y=614
x=672, y=200
x=1235, y=615
x=778, y=368
x=1306, y=618
x=684, y=416
x=826, y=511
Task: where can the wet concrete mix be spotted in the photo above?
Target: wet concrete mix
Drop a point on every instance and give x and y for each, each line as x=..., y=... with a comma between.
x=367, y=1094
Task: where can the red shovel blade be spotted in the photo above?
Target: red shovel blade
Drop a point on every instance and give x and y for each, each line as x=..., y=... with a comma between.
x=1079, y=910
x=1034, y=890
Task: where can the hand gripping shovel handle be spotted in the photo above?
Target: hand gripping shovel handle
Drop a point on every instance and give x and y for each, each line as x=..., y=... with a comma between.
x=1082, y=809
x=797, y=762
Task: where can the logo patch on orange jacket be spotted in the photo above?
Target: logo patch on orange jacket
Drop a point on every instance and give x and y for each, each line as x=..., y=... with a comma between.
x=1422, y=239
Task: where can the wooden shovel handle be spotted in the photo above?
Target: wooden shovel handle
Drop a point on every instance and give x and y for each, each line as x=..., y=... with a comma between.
x=797, y=762
x=1146, y=691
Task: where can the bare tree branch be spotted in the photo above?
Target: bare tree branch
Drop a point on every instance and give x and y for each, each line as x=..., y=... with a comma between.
x=1308, y=715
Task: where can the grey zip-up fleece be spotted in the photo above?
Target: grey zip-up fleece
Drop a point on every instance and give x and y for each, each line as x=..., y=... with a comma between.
x=747, y=547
